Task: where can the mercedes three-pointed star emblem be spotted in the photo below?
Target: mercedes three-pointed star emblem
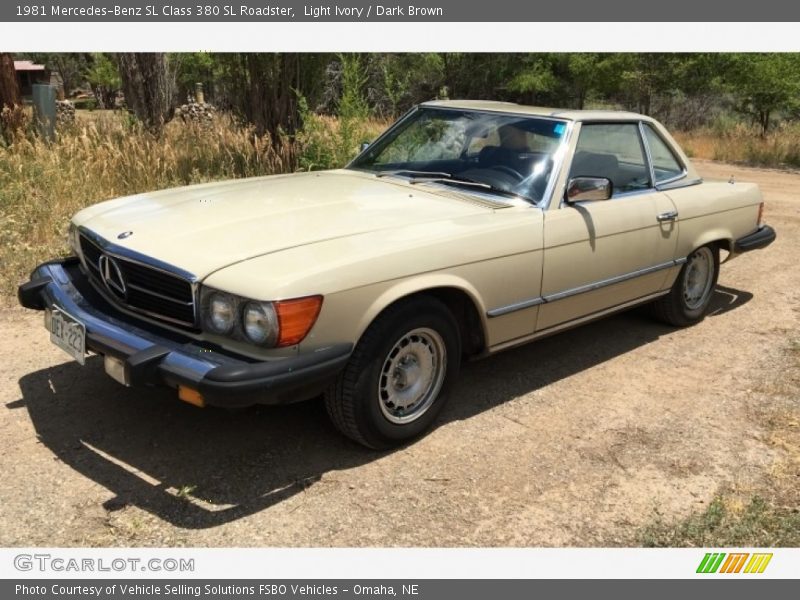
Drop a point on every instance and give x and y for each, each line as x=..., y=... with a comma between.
x=112, y=276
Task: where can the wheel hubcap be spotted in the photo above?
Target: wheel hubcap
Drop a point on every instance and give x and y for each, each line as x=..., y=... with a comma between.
x=412, y=375
x=698, y=278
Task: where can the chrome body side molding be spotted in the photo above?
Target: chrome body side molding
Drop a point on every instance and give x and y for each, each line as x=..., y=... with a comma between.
x=504, y=310
x=590, y=287
x=574, y=323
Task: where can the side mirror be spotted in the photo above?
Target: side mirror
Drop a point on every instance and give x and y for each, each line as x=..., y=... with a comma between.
x=364, y=146
x=589, y=189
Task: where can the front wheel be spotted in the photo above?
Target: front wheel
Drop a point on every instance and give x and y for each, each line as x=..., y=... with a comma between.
x=397, y=379
x=690, y=296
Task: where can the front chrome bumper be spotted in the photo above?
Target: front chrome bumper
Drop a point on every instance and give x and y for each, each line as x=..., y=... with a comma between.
x=154, y=356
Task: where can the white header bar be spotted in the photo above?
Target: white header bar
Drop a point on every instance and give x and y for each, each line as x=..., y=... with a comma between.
x=400, y=37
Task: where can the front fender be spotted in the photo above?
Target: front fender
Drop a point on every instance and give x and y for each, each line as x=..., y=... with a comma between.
x=421, y=284
x=346, y=315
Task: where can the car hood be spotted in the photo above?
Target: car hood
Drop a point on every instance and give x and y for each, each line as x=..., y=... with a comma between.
x=204, y=228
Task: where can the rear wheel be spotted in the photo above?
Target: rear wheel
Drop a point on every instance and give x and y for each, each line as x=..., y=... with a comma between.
x=690, y=296
x=397, y=379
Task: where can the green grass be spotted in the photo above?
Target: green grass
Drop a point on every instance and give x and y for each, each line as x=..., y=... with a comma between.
x=759, y=524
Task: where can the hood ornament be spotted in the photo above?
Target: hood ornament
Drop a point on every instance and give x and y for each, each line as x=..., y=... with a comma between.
x=124, y=234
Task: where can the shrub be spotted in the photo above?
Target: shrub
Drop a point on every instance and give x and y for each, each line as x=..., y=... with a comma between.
x=326, y=142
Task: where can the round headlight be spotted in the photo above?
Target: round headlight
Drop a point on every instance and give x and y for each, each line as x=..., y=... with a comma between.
x=220, y=312
x=260, y=323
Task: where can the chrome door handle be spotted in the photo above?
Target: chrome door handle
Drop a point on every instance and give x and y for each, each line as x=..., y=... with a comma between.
x=667, y=216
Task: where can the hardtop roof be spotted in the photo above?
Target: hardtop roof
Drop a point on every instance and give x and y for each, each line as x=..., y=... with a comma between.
x=539, y=111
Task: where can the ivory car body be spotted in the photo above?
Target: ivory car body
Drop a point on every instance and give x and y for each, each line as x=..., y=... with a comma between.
x=466, y=228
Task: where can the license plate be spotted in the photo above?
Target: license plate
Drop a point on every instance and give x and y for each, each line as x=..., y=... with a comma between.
x=67, y=333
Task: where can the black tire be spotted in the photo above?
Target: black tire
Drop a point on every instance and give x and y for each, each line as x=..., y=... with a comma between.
x=678, y=308
x=355, y=402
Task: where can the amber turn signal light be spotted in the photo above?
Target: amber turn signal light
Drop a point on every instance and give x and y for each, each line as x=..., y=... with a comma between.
x=760, y=214
x=191, y=396
x=296, y=318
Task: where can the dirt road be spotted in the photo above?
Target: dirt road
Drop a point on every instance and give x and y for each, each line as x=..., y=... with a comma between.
x=580, y=439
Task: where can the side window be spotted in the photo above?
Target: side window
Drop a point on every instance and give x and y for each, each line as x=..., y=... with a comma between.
x=614, y=151
x=665, y=164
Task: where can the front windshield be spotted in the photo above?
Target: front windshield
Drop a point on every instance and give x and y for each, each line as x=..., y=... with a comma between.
x=479, y=151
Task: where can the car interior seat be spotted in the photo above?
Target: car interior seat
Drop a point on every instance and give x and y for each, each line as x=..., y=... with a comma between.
x=596, y=164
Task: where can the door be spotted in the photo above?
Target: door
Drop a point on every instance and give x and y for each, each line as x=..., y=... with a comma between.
x=605, y=254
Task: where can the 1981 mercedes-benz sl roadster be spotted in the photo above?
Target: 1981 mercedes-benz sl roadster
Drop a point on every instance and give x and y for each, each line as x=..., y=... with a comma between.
x=466, y=228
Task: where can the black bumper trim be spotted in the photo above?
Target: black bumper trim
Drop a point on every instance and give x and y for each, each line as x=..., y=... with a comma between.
x=300, y=371
x=152, y=358
x=761, y=238
x=29, y=294
x=142, y=366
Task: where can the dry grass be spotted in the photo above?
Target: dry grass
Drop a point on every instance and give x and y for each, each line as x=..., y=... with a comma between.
x=105, y=155
x=762, y=516
x=743, y=144
x=42, y=185
x=782, y=415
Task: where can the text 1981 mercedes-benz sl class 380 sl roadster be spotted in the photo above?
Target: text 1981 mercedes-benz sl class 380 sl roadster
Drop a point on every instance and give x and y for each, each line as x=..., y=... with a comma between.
x=466, y=228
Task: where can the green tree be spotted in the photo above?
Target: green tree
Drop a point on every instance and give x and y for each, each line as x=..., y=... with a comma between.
x=395, y=88
x=148, y=80
x=103, y=75
x=353, y=103
x=681, y=89
x=641, y=78
x=766, y=84
x=263, y=88
x=9, y=89
x=318, y=148
x=352, y=108
x=584, y=75
x=193, y=68
x=485, y=76
x=10, y=99
x=534, y=78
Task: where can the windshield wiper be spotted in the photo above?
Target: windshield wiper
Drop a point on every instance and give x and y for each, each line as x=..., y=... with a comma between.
x=466, y=182
x=450, y=179
x=415, y=174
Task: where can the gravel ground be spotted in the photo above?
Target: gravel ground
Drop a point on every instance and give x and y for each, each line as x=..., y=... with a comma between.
x=579, y=439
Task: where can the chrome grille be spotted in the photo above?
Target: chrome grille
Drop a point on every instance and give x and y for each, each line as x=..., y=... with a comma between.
x=141, y=288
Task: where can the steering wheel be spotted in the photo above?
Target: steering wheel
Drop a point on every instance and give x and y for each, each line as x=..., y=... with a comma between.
x=508, y=171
